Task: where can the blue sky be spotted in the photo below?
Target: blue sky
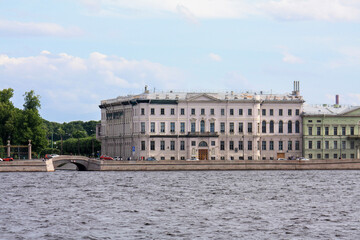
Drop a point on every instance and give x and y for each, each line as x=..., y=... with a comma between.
x=75, y=53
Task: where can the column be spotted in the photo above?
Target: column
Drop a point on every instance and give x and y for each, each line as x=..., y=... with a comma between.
x=29, y=150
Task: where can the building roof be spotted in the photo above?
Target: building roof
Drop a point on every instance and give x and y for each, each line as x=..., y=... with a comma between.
x=328, y=109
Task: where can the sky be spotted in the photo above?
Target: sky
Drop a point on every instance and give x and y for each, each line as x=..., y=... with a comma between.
x=75, y=53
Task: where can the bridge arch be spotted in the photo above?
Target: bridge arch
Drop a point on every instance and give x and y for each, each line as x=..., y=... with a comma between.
x=82, y=163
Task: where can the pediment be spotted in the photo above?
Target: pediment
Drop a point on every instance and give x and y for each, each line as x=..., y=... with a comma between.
x=352, y=112
x=203, y=97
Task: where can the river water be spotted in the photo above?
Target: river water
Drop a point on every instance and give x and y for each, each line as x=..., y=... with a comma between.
x=180, y=205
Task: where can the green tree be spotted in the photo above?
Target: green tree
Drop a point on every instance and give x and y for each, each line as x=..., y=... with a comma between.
x=32, y=101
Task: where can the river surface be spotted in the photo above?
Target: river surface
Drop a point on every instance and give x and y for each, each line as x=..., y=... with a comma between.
x=180, y=205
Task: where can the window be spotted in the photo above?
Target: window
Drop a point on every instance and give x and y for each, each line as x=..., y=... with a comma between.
x=172, y=111
x=249, y=127
x=182, y=127
x=182, y=145
x=343, y=131
x=281, y=145
x=263, y=126
x=326, y=155
x=241, y=127
x=263, y=112
x=297, y=145
x=263, y=145
x=152, y=145
x=335, y=130
x=212, y=111
x=281, y=126
x=318, y=144
x=162, y=127
x=231, y=112
x=202, y=126
x=335, y=156
x=222, y=112
x=326, y=131
x=289, y=112
x=352, y=132
x=343, y=144
x=193, y=143
x=152, y=127
x=142, y=145
x=193, y=127
x=289, y=145
x=193, y=111
x=318, y=131
x=271, y=145
x=249, y=112
x=271, y=126
x=212, y=127
x=289, y=126
x=318, y=156
x=202, y=111
x=222, y=127
x=240, y=112
x=172, y=127
x=152, y=111
x=297, y=127
x=297, y=112
x=142, y=127
x=162, y=145
x=249, y=145
x=310, y=144
x=182, y=111
x=162, y=111
x=212, y=143
x=172, y=145
x=327, y=145
x=231, y=145
x=310, y=131
x=143, y=111
x=280, y=112
x=241, y=145
x=231, y=126
x=335, y=144
x=271, y=112
x=222, y=145
x=352, y=145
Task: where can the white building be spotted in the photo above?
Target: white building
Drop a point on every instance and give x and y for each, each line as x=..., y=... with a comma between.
x=210, y=126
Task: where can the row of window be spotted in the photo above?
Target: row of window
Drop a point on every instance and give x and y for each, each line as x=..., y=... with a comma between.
x=327, y=145
x=265, y=145
x=327, y=156
x=222, y=127
x=335, y=131
x=264, y=112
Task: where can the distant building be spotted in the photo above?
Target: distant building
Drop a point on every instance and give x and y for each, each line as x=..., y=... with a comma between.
x=331, y=132
x=209, y=126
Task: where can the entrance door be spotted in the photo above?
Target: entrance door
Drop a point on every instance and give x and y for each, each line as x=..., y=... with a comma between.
x=203, y=154
x=280, y=155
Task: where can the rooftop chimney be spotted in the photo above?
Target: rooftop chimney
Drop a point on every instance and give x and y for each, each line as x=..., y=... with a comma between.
x=337, y=99
x=146, y=89
x=296, y=91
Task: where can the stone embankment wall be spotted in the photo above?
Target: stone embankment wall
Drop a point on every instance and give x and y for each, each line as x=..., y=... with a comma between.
x=26, y=166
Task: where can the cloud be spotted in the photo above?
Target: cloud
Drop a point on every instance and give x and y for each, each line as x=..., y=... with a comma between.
x=329, y=10
x=31, y=29
x=283, y=10
x=215, y=57
x=72, y=86
x=289, y=58
x=186, y=14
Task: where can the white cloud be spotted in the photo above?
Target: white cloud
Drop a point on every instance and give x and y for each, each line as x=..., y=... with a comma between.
x=329, y=10
x=289, y=58
x=19, y=29
x=215, y=57
x=71, y=85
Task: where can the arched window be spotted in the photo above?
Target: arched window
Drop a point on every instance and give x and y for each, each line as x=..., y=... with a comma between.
x=281, y=126
x=202, y=126
x=263, y=126
x=203, y=144
x=297, y=127
x=271, y=126
x=289, y=126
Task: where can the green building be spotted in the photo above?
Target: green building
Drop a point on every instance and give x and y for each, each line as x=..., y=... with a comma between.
x=331, y=132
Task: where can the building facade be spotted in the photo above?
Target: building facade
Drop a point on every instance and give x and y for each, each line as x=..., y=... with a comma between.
x=331, y=132
x=209, y=126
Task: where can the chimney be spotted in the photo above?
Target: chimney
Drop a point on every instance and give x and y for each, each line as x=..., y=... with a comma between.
x=296, y=90
x=337, y=99
x=146, y=89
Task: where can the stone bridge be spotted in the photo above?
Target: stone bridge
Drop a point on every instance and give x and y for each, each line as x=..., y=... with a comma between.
x=82, y=163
